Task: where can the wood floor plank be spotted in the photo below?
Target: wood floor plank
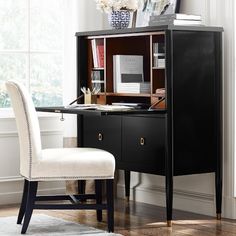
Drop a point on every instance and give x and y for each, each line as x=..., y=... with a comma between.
x=139, y=219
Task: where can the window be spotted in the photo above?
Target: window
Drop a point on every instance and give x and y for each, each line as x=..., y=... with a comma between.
x=31, y=48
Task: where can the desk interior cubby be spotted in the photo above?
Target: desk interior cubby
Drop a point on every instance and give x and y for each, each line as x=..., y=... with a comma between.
x=135, y=45
x=126, y=45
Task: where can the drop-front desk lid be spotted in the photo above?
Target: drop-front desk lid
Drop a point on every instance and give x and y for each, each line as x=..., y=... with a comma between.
x=98, y=112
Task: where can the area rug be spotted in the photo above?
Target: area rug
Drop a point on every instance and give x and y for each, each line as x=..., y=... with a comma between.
x=42, y=225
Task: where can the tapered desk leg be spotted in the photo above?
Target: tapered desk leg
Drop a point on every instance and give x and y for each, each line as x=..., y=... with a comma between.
x=127, y=185
x=218, y=126
x=169, y=199
x=218, y=186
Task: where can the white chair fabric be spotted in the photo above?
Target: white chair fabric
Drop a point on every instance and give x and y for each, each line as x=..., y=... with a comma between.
x=37, y=164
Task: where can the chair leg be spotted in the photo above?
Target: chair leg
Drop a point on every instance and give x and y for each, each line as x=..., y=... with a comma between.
x=98, y=192
x=32, y=191
x=81, y=186
x=23, y=202
x=110, y=205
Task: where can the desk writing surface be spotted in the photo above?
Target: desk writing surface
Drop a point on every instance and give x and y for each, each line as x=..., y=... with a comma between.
x=62, y=109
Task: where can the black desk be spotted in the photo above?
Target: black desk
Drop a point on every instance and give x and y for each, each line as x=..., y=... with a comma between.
x=139, y=142
x=183, y=139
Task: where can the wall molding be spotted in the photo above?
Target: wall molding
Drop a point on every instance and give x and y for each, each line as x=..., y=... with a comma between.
x=10, y=134
x=10, y=179
x=15, y=197
x=197, y=202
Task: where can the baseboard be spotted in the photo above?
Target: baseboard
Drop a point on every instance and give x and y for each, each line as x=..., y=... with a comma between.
x=200, y=203
x=15, y=197
x=229, y=207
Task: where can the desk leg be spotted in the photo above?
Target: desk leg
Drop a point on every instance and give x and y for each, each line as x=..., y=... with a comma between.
x=218, y=186
x=169, y=198
x=127, y=185
x=81, y=186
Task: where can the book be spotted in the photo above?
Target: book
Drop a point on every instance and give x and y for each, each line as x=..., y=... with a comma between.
x=100, y=107
x=127, y=69
x=143, y=87
x=100, y=54
x=175, y=22
x=97, y=75
x=176, y=16
x=158, y=55
x=160, y=92
x=94, y=51
x=97, y=80
x=138, y=105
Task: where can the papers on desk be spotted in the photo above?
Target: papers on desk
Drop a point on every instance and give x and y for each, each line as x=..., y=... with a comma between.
x=99, y=107
x=113, y=108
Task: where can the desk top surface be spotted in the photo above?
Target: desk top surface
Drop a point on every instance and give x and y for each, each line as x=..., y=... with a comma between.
x=149, y=29
x=98, y=112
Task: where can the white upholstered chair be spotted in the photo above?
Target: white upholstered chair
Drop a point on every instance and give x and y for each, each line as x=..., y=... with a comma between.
x=37, y=164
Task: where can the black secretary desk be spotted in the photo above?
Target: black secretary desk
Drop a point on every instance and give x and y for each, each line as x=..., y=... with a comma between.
x=182, y=134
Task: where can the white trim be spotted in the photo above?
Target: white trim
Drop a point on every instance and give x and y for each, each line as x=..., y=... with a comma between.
x=229, y=207
x=200, y=203
x=10, y=179
x=7, y=113
x=43, y=133
x=15, y=197
x=30, y=52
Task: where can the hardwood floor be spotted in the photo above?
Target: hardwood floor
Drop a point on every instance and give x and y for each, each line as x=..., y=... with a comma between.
x=137, y=219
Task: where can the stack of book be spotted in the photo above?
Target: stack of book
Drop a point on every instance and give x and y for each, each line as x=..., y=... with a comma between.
x=98, y=53
x=175, y=19
x=158, y=55
x=97, y=79
x=128, y=74
x=143, y=87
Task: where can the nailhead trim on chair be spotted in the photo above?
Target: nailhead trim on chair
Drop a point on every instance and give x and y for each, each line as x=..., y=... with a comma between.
x=68, y=178
x=28, y=126
x=30, y=155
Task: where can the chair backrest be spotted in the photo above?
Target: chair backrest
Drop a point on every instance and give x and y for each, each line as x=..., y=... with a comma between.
x=27, y=126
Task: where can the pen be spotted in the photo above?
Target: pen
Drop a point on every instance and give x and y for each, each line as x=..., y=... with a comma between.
x=76, y=99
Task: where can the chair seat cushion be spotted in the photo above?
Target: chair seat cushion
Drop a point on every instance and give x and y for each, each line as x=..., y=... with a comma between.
x=73, y=163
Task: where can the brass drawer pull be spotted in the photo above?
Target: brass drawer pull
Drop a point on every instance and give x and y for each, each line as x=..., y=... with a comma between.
x=100, y=137
x=142, y=141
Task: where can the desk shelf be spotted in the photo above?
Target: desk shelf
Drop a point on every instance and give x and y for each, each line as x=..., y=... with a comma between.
x=128, y=94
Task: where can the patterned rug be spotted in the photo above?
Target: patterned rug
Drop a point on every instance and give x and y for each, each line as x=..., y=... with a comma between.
x=42, y=225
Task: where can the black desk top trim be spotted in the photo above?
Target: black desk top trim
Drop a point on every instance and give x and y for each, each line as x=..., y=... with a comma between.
x=98, y=112
x=149, y=29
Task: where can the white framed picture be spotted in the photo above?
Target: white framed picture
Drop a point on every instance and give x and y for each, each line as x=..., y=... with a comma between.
x=154, y=7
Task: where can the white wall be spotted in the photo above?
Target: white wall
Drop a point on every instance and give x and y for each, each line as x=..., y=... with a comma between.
x=196, y=193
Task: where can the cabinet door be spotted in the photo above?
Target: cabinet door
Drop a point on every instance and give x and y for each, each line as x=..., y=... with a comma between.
x=103, y=132
x=143, y=143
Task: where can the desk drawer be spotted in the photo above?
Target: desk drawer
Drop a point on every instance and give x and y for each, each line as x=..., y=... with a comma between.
x=103, y=132
x=143, y=141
